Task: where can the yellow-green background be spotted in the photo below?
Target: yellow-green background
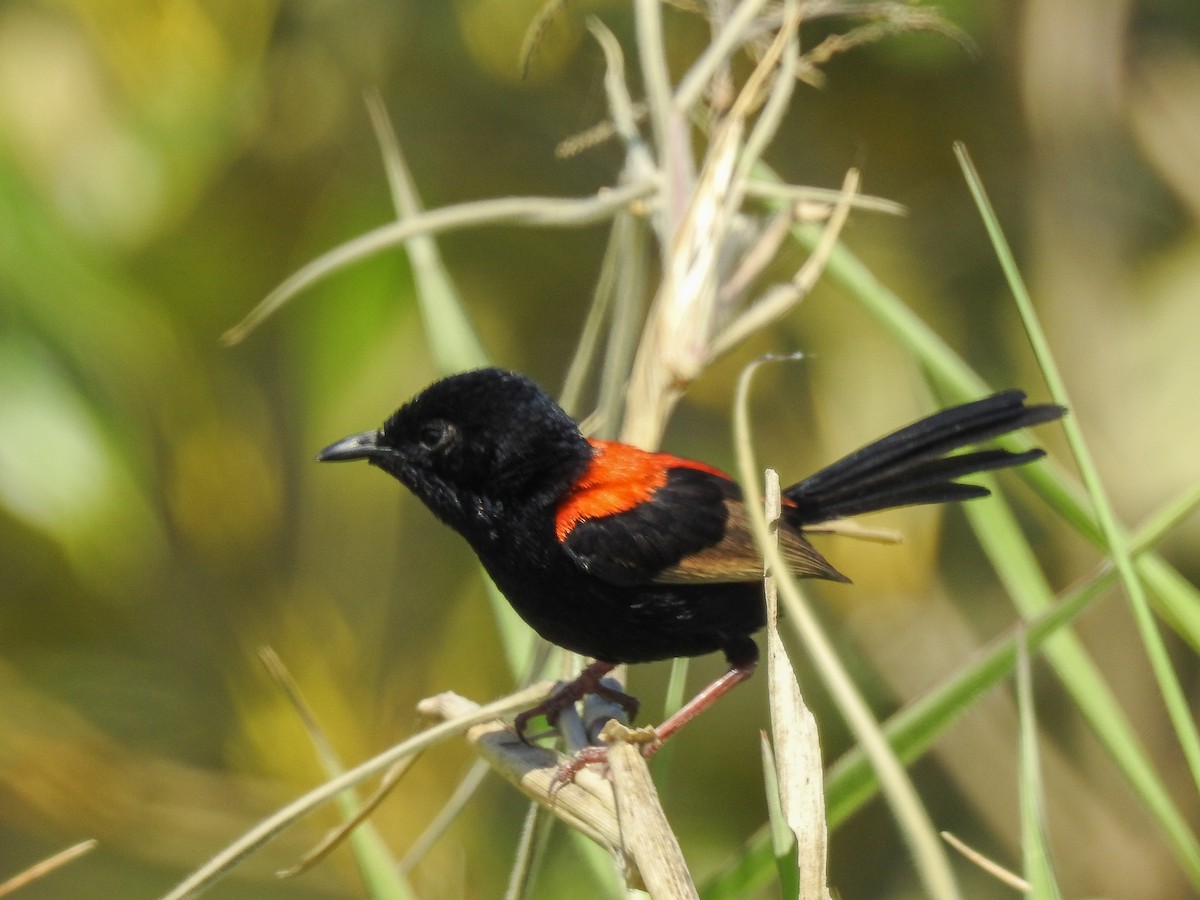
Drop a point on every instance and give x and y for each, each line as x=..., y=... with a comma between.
x=164, y=164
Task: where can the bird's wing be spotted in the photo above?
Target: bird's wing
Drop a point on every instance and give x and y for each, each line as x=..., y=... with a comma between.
x=735, y=557
x=640, y=517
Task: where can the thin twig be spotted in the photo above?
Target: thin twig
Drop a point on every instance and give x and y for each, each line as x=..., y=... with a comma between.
x=336, y=835
x=990, y=866
x=533, y=211
x=234, y=853
x=46, y=866
x=783, y=297
x=726, y=43
x=778, y=64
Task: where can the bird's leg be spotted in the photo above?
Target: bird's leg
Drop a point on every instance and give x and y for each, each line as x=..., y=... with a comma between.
x=737, y=673
x=742, y=655
x=567, y=693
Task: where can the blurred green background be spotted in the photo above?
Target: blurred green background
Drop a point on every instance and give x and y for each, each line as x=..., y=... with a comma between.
x=165, y=163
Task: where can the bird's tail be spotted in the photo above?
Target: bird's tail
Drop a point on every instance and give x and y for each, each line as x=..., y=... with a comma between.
x=911, y=466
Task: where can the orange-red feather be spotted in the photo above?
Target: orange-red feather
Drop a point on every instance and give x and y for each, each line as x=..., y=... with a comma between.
x=618, y=478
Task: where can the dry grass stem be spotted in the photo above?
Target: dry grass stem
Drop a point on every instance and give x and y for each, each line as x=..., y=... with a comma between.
x=645, y=832
x=851, y=529
x=335, y=836
x=993, y=868
x=236, y=852
x=530, y=211
x=796, y=741
x=586, y=804
x=462, y=794
x=780, y=299
x=45, y=867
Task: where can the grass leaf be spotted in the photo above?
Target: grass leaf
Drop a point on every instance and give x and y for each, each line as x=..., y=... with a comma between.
x=1039, y=871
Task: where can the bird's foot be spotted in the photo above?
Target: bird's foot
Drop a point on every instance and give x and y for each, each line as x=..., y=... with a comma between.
x=646, y=739
x=570, y=692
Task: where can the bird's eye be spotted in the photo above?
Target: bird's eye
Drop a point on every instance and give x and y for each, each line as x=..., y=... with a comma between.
x=437, y=436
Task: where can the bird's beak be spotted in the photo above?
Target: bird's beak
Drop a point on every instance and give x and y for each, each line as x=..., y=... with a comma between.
x=357, y=446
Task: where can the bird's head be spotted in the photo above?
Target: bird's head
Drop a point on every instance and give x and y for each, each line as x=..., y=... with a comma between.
x=474, y=444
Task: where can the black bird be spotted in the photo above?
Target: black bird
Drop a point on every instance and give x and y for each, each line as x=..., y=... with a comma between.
x=628, y=556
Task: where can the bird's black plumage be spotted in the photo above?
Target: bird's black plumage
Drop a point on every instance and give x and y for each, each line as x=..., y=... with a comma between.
x=629, y=556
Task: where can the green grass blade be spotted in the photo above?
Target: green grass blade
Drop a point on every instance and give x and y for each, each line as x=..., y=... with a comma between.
x=1114, y=537
x=850, y=782
x=1014, y=562
x=233, y=854
x=957, y=381
x=1180, y=600
x=1039, y=871
x=591, y=335
x=380, y=874
x=928, y=852
x=452, y=341
x=914, y=729
x=751, y=869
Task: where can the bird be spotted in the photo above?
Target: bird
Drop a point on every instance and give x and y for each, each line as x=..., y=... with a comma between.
x=626, y=555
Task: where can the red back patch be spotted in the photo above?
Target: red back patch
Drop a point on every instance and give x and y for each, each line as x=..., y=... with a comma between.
x=618, y=479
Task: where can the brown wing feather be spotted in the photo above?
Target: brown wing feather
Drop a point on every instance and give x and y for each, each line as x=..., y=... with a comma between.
x=735, y=558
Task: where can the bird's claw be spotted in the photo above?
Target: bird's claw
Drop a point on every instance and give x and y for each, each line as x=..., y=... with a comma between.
x=589, y=681
x=646, y=739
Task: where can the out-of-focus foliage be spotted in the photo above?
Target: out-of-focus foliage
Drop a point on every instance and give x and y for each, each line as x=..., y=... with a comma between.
x=164, y=164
